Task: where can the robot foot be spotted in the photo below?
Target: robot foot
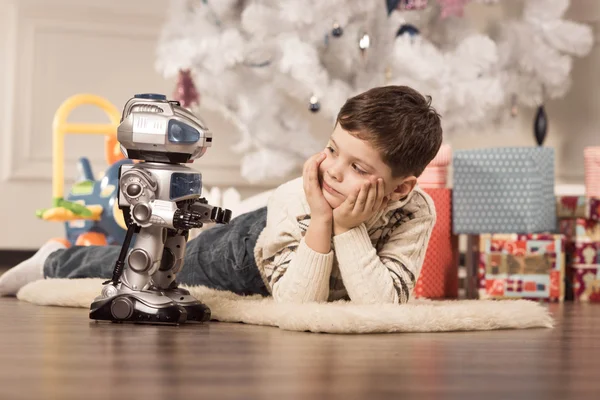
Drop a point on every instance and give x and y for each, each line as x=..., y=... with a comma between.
x=196, y=310
x=132, y=308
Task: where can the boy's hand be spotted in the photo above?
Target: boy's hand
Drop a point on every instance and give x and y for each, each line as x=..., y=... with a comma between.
x=359, y=207
x=319, y=207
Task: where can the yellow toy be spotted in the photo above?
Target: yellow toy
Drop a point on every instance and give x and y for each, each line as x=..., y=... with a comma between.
x=90, y=212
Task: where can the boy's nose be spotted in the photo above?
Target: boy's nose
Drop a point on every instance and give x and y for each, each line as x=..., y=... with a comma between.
x=334, y=174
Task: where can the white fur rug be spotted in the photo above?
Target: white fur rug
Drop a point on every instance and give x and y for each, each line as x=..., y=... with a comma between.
x=338, y=317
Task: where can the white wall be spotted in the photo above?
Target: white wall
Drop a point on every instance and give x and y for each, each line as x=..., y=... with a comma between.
x=574, y=121
x=52, y=49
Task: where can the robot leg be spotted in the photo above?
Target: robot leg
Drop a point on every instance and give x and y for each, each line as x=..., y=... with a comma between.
x=164, y=278
x=130, y=300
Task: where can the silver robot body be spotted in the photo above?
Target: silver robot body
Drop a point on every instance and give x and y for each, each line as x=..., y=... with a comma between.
x=161, y=200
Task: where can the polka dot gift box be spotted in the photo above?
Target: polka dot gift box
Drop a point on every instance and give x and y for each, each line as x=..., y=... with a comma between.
x=504, y=190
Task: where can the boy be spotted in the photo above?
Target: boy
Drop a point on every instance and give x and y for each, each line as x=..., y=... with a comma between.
x=355, y=225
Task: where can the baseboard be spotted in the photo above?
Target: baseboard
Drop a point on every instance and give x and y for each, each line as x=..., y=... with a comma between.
x=10, y=258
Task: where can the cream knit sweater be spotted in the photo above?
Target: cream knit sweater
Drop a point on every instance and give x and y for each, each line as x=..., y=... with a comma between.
x=378, y=261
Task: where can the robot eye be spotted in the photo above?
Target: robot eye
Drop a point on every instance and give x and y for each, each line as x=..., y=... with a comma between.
x=182, y=133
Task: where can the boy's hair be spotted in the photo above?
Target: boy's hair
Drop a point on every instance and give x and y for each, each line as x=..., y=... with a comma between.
x=399, y=123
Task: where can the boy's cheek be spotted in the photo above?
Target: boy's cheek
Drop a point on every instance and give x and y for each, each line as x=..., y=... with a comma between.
x=321, y=172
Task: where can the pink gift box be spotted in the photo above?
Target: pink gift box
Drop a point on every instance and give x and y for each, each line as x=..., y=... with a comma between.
x=433, y=177
x=591, y=157
x=443, y=158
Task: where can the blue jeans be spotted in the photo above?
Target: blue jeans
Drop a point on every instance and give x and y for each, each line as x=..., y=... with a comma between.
x=221, y=257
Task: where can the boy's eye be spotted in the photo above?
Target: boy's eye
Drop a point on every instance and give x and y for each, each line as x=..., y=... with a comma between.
x=360, y=171
x=330, y=149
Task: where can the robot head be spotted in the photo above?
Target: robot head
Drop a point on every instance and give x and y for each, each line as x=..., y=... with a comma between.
x=153, y=128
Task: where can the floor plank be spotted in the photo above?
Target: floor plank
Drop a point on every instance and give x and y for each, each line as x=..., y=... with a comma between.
x=52, y=352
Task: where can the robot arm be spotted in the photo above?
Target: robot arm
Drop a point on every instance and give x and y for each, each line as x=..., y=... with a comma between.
x=166, y=213
x=138, y=191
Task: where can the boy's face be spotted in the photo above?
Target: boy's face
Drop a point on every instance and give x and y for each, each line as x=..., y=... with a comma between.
x=349, y=163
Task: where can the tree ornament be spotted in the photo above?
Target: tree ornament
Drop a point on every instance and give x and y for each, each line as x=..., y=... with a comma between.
x=364, y=42
x=407, y=29
x=185, y=90
x=314, y=103
x=403, y=5
x=540, y=125
x=514, y=111
x=337, y=30
x=452, y=8
x=388, y=73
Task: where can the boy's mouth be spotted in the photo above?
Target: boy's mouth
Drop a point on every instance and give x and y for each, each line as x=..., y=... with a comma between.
x=330, y=189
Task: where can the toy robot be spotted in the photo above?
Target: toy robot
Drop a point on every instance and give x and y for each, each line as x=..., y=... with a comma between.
x=161, y=202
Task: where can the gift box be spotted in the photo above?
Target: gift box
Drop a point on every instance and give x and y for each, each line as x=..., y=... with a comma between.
x=504, y=190
x=439, y=273
x=580, y=230
x=591, y=157
x=522, y=266
x=433, y=177
x=582, y=248
x=578, y=207
x=586, y=283
x=436, y=173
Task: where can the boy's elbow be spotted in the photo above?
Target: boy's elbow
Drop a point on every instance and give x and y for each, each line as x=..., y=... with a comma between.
x=297, y=297
x=383, y=298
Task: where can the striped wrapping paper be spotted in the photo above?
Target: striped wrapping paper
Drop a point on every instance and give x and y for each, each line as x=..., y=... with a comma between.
x=436, y=173
x=591, y=156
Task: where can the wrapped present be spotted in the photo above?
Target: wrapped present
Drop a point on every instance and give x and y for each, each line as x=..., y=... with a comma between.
x=582, y=247
x=522, y=266
x=433, y=177
x=586, y=283
x=443, y=158
x=436, y=173
x=591, y=156
x=504, y=190
x=586, y=252
x=578, y=207
x=439, y=274
x=580, y=229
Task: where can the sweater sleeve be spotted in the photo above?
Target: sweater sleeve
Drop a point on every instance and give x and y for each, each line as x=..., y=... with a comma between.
x=388, y=275
x=292, y=271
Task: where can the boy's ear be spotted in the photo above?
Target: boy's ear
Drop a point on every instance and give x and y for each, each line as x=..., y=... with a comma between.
x=404, y=188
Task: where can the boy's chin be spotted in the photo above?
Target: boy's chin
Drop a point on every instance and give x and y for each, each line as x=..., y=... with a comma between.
x=333, y=201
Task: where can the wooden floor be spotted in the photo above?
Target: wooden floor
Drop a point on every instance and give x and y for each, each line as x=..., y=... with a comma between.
x=57, y=353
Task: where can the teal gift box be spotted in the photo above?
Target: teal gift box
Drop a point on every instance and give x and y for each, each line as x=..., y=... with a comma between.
x=504, y=190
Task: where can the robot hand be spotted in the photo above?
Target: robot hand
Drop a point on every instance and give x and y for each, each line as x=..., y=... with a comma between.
x=186, y=220
x=212, y=213
x=220, y=215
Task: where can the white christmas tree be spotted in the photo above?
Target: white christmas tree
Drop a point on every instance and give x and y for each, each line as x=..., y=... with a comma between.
x=261, y=63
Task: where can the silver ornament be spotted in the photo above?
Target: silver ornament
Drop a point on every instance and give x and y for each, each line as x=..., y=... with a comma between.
x=337, y=30
x=314, y=103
